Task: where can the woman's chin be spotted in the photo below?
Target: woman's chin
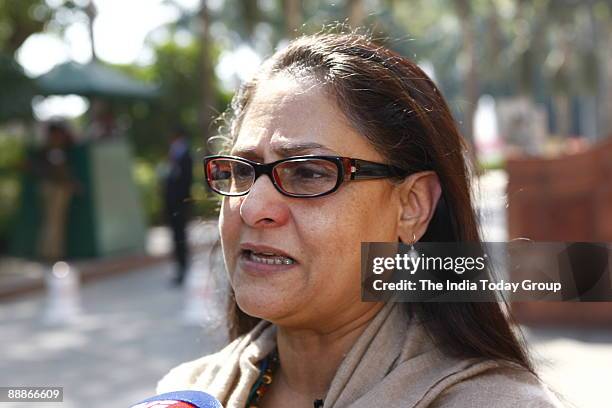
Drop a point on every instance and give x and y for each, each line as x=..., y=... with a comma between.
x=264, y=305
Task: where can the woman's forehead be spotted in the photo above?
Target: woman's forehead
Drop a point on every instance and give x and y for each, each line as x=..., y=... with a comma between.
x=288, y=117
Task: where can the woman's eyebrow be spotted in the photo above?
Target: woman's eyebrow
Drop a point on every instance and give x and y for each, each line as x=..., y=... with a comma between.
x=296, y=149
x=283, y=150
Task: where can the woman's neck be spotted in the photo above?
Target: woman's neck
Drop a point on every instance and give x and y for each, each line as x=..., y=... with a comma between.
x=309, y=358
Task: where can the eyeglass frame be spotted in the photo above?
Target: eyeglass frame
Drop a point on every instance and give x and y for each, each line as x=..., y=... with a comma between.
x=348, y=169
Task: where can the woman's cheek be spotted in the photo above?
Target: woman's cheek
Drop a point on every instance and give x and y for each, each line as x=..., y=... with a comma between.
x=338, y=254
x=229, y=229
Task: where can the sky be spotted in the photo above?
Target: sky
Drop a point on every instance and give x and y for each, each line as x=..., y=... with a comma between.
x=120, y=30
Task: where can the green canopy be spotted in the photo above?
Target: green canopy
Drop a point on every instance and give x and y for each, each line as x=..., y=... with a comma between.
x=93, y=80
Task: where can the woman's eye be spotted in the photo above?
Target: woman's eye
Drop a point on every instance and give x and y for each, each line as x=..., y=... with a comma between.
x=242, y=172
x=308, y=173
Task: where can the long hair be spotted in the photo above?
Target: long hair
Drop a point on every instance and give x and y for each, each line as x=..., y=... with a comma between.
x=399, y=109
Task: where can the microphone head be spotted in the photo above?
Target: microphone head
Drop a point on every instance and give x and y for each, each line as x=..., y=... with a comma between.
x=180, y=399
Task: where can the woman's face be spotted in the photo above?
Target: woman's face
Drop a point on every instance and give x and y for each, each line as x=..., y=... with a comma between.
x=322, y=235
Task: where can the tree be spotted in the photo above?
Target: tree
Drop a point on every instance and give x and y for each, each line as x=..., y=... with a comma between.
x=19, y=19
x=292, y=10
x=471, y=91
x=17, y=91
x=207, y=110
x=355, y=12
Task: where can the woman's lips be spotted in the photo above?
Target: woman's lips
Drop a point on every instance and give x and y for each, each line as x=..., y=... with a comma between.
x=263, y=249
x=269, y=258
x=264, y=263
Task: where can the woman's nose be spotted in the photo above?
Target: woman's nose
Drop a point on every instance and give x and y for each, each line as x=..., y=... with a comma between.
x=264, y=206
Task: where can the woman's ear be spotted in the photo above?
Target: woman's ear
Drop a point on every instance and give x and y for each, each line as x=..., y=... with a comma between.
x=419, y=194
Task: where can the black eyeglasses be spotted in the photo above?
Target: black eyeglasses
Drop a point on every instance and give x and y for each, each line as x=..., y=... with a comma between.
x=299, y=176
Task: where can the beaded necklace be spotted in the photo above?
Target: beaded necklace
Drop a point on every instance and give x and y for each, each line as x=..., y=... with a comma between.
x=267, y=368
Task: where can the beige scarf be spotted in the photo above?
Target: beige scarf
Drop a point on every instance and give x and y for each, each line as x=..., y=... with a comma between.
x=392, y=364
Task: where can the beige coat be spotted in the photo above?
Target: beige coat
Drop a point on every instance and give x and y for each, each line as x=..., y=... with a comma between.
x=392, y=364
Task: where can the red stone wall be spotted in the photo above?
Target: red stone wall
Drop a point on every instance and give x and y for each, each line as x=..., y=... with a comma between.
x=562, y=199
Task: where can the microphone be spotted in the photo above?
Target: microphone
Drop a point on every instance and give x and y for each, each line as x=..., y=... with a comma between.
x=180, y=399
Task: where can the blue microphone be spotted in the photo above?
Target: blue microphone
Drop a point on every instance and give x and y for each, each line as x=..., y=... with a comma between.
x=180, y=399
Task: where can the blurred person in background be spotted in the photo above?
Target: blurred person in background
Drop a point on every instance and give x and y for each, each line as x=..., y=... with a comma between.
x=177, y=199
x=338, y=141
x=57, y=186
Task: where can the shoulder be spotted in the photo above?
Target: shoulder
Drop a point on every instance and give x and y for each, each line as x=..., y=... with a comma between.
x=217, y=373
x=503, y=386
x=186, y=375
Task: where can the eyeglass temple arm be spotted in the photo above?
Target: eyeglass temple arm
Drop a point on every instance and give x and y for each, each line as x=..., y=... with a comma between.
x=364, y=170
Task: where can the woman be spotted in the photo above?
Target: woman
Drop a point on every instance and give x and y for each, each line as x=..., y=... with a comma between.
x=392, y=169
x=58, y=185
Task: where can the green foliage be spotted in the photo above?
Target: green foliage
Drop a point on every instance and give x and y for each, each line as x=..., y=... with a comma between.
x=17, y=91
x=146, y=175
x=146, y=180
x=177, y=70
x=12, y=152
x=205, y=205
x=19, y=19
x=9, y=196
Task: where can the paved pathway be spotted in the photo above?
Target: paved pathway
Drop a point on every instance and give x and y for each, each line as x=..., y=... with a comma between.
x=129, y=335
x=577, y=363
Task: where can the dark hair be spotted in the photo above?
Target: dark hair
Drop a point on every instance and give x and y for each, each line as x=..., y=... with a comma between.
x=398, y=108
x=61, y=127
x=180, y=131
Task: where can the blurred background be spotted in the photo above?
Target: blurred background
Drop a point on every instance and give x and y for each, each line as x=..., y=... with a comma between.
x=102, y=101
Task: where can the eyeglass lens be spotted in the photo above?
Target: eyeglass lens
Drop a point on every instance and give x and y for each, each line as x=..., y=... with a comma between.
x=297, y=177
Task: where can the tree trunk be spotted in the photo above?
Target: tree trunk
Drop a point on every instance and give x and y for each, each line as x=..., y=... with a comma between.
x=471, y=90
x=292, y=10
x=606, y=81
x=207, y=107
x=355, y=12
x=251, y=15
x=563, y=114
x=91, y=12
x=600, y=35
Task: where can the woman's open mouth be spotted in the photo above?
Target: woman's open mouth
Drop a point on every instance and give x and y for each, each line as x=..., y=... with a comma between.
x=267, y=258
x=264, y=261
